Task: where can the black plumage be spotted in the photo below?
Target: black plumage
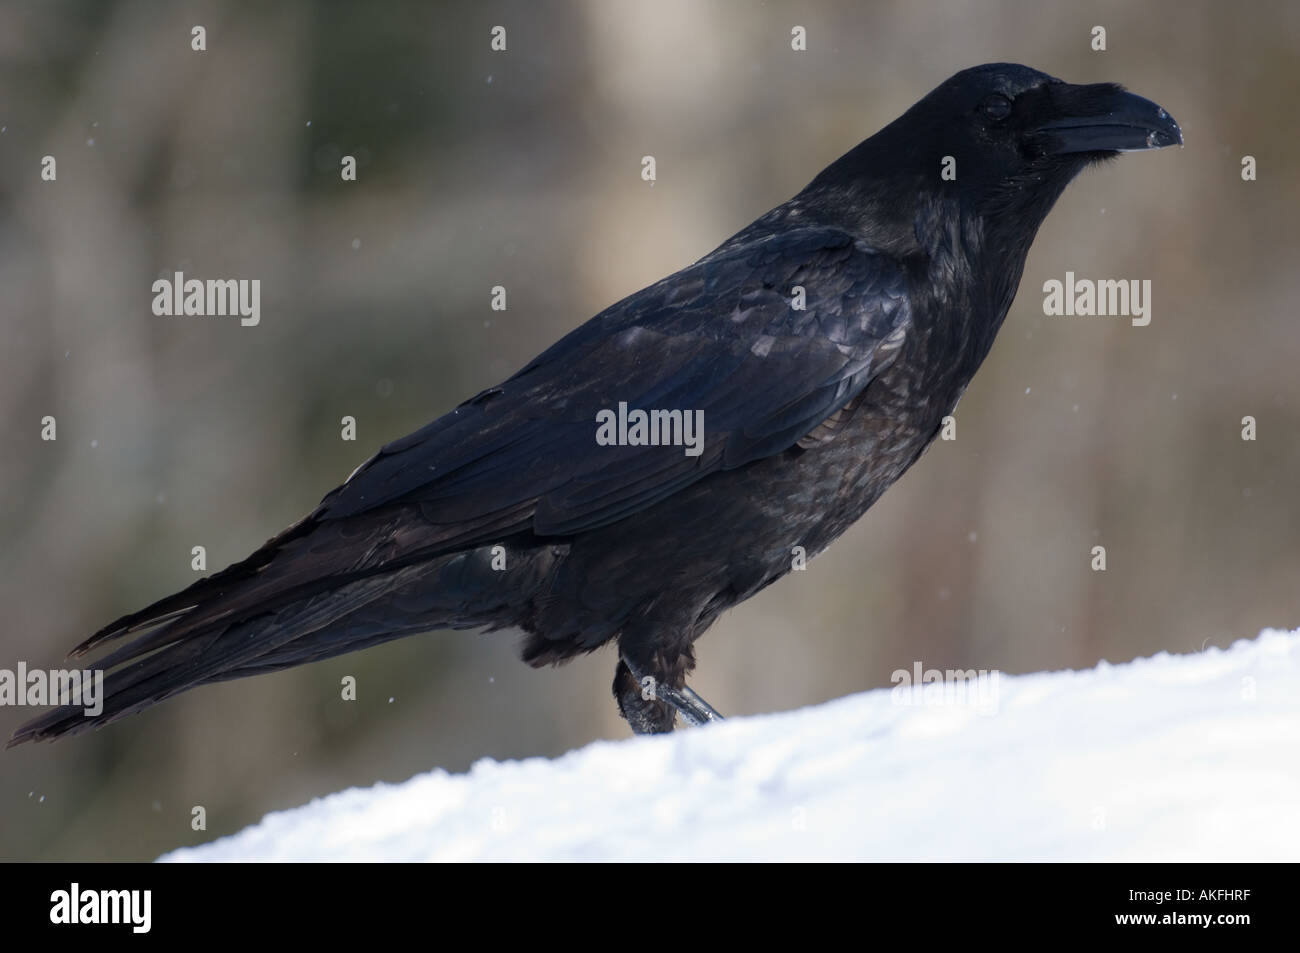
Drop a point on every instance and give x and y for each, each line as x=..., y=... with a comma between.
x=809, y=415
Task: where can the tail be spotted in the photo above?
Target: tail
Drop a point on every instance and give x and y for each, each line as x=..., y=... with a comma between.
x=316, y=591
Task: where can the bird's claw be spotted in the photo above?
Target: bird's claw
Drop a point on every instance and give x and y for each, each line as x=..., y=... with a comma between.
x=693, y=709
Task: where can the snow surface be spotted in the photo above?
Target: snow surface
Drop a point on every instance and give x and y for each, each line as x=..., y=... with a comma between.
x=1176, y=758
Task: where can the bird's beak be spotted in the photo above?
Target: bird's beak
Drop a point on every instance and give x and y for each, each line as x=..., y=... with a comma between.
x=1106, y=118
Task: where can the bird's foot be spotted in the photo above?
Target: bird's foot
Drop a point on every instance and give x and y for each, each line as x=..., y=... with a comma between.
x=693, y=709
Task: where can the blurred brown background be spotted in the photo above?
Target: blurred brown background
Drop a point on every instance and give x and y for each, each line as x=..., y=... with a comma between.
x=523, y=169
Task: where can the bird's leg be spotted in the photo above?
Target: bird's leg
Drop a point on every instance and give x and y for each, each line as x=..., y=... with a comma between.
x=644, y=713
x=642, y=697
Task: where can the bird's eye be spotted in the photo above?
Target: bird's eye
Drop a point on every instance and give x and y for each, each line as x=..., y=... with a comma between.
x=996, y=106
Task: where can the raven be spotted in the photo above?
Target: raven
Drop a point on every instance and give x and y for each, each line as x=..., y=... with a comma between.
x=819, y=349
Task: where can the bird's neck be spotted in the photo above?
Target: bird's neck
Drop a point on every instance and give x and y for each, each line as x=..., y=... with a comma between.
x=968, y=267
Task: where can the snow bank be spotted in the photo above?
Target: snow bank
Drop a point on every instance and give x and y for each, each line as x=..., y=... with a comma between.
x=1189, y=757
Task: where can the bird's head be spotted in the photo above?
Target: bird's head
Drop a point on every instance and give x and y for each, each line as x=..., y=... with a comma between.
x=1018, y=136
x=1001, y=141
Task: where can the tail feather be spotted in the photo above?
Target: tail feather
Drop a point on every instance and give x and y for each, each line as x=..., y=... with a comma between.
x=310, y=557
x=179, y=603
x=204, y=645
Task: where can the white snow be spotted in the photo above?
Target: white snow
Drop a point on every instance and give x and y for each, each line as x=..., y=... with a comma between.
x=1175, y=758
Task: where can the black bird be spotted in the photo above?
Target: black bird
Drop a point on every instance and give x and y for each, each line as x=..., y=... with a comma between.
x=824, y=344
